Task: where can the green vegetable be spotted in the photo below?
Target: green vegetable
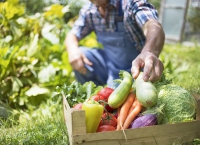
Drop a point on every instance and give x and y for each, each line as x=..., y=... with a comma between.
x=76, y=93
x=146, y=92
x=179, y=104
x=119, y=95
x=93, y=113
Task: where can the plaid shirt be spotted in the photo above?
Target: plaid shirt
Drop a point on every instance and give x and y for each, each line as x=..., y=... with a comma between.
x=135, y=14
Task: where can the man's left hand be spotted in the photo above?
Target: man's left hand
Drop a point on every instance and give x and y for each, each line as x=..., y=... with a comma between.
x=152, y=66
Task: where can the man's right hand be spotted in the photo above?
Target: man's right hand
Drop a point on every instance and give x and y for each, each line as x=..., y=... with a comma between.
x=77, y=60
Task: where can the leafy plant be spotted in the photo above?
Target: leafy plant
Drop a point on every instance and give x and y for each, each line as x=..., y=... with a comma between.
x=193, y=18
x=181, y=66
x=33, y=59
x=76, y=92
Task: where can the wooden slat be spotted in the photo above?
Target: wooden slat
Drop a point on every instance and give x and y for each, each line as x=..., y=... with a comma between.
x=101, y=142
x=197, y=97
x=178, y=138
x=139, y=141
x=68, y=119
x=78, y=122
x=74, y=120
x=163, y=140
x=65, y=111
x=156, y=131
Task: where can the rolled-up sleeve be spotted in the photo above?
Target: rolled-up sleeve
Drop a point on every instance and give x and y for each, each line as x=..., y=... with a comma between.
x=142, y=11
x=81, y=27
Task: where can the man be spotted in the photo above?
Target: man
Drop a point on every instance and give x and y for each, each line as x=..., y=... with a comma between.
x=131, y=36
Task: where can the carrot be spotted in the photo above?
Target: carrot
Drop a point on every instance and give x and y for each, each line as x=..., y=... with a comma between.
x=132, y=115
x=118, y=118
x=133, y=105
x=125, y=108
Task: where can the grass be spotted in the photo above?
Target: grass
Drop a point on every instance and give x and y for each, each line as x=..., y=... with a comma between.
x=45, y=126
x=183, y=65
x=42, y=132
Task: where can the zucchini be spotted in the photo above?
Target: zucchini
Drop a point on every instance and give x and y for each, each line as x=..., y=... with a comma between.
x=119, y=95
x=146, y=92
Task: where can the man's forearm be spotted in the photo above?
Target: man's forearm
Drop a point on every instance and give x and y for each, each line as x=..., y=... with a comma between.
x=71, y=42
x=155, y=37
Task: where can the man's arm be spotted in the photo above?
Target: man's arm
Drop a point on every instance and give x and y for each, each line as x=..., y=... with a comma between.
x=76, y=57
x=155, y=37
x=148, y=59
x=71, y=42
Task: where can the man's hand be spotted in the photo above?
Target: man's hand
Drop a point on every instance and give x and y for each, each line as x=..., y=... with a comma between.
x=77, y=60
x=148, y=58
x=152, y=66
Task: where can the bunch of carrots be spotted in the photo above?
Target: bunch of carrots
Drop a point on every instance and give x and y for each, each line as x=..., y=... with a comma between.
x=128, y=112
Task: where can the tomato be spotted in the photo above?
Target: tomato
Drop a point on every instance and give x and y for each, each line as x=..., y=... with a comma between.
x=108, y=119
x=108, y=108
x=102, y=101
x=105, y=92
x=105, y=128
x=78, y=106
x=97, y=98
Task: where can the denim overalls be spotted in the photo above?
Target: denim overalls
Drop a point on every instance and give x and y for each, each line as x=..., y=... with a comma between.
x=118, y=54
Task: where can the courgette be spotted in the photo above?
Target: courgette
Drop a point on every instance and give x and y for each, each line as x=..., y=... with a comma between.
x=119, y=95
x=146, y=92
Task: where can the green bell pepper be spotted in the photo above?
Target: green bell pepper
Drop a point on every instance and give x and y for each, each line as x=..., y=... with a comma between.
x=93, y=113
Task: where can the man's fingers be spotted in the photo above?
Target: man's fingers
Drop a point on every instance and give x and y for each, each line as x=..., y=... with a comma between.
x=157, y=70
x=79, y=66
x=148, y=69
x=86, y=60
x=135, y=70
x=152, y=67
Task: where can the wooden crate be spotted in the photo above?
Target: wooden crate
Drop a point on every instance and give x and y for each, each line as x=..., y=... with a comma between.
x=166, y=134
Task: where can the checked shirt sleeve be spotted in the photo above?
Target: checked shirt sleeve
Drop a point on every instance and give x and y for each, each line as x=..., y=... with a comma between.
x=81, y=27
x=143, y=11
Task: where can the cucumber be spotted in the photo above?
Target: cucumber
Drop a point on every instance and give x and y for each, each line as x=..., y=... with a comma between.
x=119, y=95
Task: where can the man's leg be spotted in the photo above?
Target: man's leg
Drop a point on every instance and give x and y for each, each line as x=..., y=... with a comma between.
x=98, y=72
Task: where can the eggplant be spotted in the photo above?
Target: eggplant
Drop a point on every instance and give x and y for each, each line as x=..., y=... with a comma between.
x=144, y=120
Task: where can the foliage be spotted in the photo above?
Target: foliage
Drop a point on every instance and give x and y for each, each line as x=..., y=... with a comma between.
x=182, y=66
x=36, y=6
x=193, y=18
x=156, y=3
x=76, y=93
x=33, y=59
x=90, y=41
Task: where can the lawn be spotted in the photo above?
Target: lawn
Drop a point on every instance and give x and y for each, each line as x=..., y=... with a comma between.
x=45, y=126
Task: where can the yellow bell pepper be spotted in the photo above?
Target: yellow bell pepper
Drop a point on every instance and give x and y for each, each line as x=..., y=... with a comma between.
x=93, y=113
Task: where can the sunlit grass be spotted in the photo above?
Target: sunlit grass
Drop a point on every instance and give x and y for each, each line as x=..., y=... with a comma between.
x=184, y=66
x=45, y=126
